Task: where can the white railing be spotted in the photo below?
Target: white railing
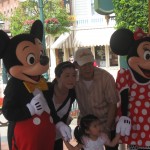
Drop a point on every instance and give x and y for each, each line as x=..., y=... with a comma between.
x=99, y=21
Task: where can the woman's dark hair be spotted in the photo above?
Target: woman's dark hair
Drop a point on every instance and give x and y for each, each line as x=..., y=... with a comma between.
x=60, y=68
x=85, y=123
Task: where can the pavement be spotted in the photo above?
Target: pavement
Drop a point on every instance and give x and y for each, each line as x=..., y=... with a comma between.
x=3, y=134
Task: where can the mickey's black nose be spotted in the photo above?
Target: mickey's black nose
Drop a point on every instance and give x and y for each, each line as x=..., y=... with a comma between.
x=44, y=60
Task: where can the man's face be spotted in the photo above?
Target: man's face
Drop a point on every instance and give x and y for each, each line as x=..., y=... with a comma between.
x=87, y=71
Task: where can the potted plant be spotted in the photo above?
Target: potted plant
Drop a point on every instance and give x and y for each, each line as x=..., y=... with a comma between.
x=52, y=25
x=27, y=25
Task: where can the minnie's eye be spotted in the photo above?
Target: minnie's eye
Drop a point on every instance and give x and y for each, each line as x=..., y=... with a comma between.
x=30, y=59
x=147, y=55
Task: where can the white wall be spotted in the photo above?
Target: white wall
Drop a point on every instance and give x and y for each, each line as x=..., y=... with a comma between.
x=82, y=7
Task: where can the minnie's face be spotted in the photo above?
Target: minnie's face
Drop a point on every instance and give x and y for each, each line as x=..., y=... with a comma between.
x=141, y=64
x=29, y=54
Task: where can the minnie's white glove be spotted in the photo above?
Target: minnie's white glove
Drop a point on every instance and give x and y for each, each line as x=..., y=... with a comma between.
x=36, y=105
x=124, y=126
x=64, y=130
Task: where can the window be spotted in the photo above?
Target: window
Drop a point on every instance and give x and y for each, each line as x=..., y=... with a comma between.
x=113, y=58
x=100, y=56
x=105, y=57
x=67, y=6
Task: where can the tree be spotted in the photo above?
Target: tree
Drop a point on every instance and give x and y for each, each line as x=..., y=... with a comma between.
x=28, y=11
x=2, y=16
x=131, y=14
x=17, y=21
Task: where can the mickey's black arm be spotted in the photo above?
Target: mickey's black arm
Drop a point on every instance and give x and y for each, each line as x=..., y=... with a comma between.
x=124, y=102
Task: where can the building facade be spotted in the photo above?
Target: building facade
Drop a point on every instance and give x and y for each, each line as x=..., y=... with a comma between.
x=90, y=30
x=6, y=8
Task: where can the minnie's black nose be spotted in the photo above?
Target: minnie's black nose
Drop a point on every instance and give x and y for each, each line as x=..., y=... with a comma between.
x=44, y=60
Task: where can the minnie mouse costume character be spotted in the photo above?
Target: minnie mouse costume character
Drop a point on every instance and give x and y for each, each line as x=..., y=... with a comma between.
x=133, y=85
x=26, y=105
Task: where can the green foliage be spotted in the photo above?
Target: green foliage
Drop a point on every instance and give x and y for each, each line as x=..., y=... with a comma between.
x=53, y=11
x=2, y=17
x=52, y=26
x=131, y=14
x=29, y=10
x=17, y=19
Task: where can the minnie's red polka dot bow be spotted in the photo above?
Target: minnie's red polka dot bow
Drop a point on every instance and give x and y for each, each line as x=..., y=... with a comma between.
x=139, y=34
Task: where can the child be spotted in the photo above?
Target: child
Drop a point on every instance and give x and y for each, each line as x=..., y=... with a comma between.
x=89, y=136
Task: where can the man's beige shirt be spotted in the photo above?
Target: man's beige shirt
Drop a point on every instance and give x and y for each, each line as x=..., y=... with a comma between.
x=95, y=99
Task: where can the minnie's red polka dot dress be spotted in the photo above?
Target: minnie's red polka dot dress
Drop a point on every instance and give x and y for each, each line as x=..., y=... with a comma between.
x=138, y=108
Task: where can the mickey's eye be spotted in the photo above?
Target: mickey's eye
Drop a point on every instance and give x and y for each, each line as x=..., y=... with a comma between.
x=147, y=55
x=30, y=59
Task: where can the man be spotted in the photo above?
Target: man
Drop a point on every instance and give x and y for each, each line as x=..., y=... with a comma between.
x=96, y=92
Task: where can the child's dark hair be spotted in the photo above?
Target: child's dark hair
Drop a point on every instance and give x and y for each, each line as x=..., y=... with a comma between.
x=85, y=123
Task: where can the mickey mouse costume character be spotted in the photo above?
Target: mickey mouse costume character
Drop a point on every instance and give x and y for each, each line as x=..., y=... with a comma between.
x=133, y=85
x=26, y=103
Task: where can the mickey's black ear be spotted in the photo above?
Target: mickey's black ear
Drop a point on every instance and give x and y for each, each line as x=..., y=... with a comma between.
x=121, y=41
x=4, y=42
x=37, y=29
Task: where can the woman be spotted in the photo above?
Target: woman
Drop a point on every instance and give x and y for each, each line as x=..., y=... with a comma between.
x=62, y=93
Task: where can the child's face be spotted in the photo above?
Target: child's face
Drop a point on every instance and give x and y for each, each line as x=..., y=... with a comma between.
x=94, y=129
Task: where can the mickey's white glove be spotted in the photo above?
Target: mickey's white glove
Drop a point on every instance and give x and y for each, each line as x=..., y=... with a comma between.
x=64, y=130
x=36, y=105
x=43, y=100
x=124, y=126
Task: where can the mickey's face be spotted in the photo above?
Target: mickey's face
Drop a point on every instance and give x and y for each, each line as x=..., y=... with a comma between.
x=30, y=56
x=141, y=63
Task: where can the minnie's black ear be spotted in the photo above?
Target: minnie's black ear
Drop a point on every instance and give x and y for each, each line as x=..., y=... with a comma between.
x=4, y=42
x=37, y=29
x=121, y=41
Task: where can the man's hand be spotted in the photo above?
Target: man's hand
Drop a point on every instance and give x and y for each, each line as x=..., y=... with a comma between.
x=124, y=126
x=64, y=130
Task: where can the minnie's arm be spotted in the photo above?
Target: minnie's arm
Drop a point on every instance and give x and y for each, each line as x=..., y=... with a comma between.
x=124, y=102
x=124, y=123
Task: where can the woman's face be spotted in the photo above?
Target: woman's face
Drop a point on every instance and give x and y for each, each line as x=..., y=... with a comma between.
x=67, y=78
